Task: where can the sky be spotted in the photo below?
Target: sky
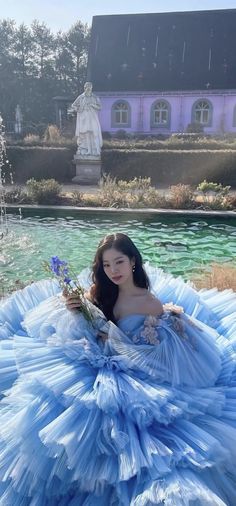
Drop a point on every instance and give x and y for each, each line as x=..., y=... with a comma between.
x=62, y=14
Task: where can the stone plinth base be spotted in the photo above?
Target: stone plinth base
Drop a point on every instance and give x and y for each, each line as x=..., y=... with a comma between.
x=87, y=171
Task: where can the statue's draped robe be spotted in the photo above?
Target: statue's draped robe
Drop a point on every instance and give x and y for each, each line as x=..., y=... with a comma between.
x=88, y=130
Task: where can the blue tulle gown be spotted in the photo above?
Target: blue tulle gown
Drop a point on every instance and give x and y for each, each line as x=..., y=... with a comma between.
x=146, y=418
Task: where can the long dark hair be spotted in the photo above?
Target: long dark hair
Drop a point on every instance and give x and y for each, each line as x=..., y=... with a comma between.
x=104, y=292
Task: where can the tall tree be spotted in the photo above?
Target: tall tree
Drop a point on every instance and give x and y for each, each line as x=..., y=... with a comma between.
x=63, y=65
x=77, y=42
x=7, y=77
x=36, y=65
x=44, y=82
x=25, y=68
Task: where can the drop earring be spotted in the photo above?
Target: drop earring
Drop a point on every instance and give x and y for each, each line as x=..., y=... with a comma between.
x=133, y=268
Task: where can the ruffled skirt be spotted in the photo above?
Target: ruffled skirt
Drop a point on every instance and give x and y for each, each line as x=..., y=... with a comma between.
x=87, y=425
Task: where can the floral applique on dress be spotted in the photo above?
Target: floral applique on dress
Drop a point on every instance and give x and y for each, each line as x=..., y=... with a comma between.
x=173, y=313
x=149, y=333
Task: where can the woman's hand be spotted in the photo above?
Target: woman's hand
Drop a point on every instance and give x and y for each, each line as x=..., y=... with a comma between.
x=72, y=301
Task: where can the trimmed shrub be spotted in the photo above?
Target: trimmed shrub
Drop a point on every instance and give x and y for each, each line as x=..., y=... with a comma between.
x=32, y=139
x=194, y=128
x=163, y=166
x=40, y=163
x=181, y=197
x=137, y=192
x=206, y=186
x=106, y=135
x=231, y=199
x=179, y=141
x=172, y=166
x=76, y=198
x=52, y=134
x=53, y=137
x=46, y=191
x=121, y=134
x=17, y=196
x=217, y=202
x=215, y=195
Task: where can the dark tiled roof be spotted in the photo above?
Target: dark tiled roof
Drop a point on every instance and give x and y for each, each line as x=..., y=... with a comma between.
x=167, y=51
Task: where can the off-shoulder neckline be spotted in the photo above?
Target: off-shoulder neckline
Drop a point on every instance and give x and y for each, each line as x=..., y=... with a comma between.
x=135, y=314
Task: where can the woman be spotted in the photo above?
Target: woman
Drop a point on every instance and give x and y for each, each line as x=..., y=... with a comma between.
x=139, y=410
x=120, y=284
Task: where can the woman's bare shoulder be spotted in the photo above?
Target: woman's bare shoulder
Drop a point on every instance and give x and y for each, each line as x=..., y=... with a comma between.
x=152, y=305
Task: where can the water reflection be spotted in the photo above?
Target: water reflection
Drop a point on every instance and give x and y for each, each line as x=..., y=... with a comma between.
x=181, y=246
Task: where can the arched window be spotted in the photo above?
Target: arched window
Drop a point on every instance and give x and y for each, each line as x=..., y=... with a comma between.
x=160, y=114
x=121, y=114
x=202, y=112
x=234, y=117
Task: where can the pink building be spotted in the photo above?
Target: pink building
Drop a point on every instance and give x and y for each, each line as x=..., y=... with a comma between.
x=159, y=73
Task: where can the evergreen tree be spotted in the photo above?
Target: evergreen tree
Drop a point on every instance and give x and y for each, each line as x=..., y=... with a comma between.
x=7, y=69
x=44, y=82
x=25, y=68
x=77, y=41
x=36, y=65
x=63, y=66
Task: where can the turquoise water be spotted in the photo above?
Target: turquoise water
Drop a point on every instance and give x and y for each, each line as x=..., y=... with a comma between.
x=181, y=245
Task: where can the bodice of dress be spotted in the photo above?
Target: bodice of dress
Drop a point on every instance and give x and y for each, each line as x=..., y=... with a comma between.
x=151, y=330
x=172, y=348
x=140, y=329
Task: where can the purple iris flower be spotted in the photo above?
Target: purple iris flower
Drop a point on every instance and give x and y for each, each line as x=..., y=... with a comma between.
x=58, y=267
x=67, y=281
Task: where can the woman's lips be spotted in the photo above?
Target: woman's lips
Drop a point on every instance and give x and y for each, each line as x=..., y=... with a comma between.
x=116, y=278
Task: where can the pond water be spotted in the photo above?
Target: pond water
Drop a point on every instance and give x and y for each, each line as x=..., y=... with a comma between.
x=181, y=245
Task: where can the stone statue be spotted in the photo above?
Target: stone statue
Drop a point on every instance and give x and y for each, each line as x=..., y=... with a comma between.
x=88, y=130
x=18, y=120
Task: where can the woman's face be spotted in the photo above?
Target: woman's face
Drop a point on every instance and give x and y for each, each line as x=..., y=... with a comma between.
x=117, y=266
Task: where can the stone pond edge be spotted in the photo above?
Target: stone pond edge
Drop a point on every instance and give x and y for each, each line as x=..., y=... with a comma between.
x=189, y=212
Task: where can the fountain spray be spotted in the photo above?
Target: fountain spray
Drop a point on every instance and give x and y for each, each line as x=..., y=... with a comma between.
x=3, y=160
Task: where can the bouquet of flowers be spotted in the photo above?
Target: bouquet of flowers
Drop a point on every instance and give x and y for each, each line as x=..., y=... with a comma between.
x=60, y=270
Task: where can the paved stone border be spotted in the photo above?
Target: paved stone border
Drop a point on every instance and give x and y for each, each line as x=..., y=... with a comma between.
x=189, y=212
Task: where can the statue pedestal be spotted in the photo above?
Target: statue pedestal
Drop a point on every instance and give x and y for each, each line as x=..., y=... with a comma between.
x=88, y=171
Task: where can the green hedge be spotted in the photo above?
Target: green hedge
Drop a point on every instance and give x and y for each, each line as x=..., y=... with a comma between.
x=171, y=143
x=41, y=163
x=173, y=166
x=162, y=166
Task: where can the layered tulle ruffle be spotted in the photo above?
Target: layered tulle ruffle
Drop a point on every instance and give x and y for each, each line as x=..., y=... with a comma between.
x=123, y=424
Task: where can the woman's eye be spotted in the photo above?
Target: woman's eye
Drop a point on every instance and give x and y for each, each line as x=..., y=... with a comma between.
x=120, y=262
